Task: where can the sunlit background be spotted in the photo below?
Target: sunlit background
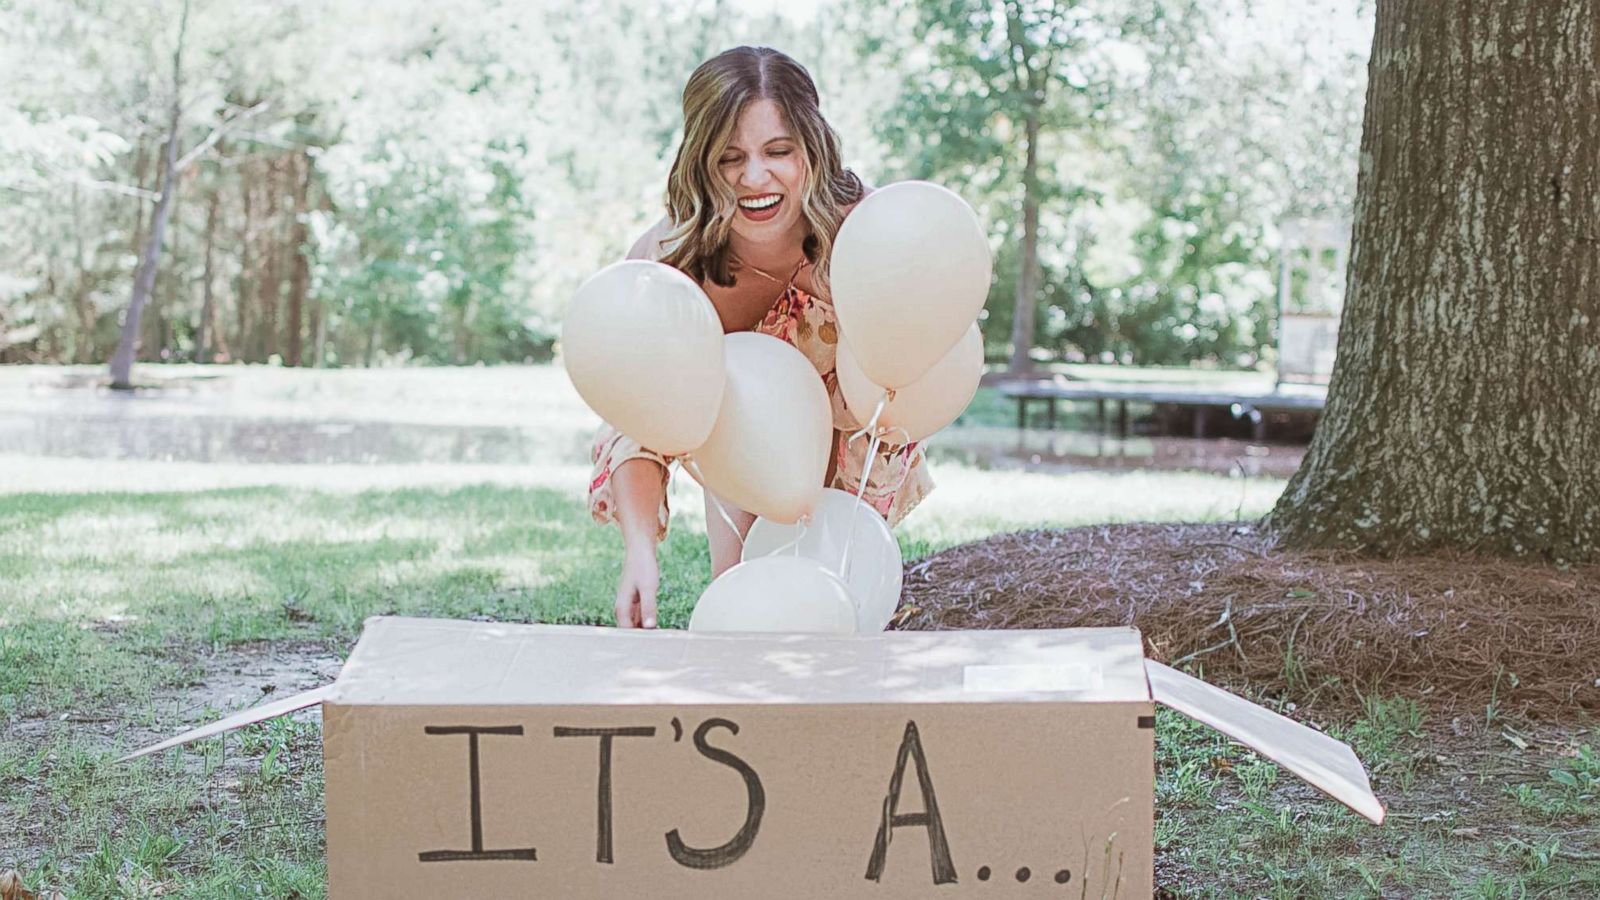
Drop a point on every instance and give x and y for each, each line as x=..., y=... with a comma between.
x=426, y=183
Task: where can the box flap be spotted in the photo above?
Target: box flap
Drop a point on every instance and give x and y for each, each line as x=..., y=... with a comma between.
x=444, y=662
x=1327, y=764
x=238, y=720
x=423, y=662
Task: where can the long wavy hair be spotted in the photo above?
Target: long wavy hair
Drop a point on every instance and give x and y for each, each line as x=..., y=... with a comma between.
x=701, y=205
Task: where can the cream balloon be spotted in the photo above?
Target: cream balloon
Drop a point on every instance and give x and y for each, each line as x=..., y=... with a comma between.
x=643, y=346
x=910, y=271
x=776, y=593
x=924, y=406
x=876, y=567
x=769, y=450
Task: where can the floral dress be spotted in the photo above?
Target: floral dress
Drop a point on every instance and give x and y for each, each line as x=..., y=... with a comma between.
x=899, y=478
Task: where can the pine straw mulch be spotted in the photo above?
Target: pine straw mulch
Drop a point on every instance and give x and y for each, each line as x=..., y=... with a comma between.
x=1455, y=630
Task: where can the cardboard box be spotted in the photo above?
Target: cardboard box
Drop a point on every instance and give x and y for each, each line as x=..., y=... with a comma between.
x=481, y=760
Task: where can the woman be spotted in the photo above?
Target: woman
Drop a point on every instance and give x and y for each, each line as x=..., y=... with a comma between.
x=755, y=197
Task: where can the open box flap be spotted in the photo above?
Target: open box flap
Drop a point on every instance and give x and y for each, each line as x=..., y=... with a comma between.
x=443, y=662
x=403, y=661
x=239, y=720
x=1328, y=765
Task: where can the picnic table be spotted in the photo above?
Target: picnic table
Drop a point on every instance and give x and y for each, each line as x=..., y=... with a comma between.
x=1207, y=402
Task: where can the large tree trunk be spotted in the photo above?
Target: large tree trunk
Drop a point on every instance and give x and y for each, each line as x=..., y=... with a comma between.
x=1023, y=312
x=1465, y=406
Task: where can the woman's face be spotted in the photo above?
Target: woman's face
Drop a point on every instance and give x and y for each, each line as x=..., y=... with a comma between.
x=762, y=164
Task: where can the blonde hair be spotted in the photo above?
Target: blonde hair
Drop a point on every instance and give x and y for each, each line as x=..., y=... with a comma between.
x=701, y=205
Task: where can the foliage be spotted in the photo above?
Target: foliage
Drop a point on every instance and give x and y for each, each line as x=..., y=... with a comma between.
x=1180, y=135
x=456, y=171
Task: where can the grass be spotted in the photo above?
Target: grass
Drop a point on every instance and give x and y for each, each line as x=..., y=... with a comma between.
x=117, y=604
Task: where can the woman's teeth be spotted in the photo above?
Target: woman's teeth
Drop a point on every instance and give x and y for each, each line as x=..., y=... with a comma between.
x=761, y=203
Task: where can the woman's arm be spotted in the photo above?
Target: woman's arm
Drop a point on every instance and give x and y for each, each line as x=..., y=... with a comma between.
x=639, y=487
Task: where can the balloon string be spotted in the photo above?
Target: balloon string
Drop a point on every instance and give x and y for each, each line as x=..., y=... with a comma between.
x=693, y=468
x=805, y=525
x=866, y=471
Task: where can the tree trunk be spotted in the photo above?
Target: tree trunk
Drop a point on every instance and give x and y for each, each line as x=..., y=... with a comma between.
x=372, y=344
x=140, y=163
x=243, y=286
x=300, y=275
x=1023, y=312
x=317, y=326
x=271, y=277
x=83, y=347
x=144, y=279
x=202, y=350
x=463, y=333
x=158, y=325
x=1465, y=407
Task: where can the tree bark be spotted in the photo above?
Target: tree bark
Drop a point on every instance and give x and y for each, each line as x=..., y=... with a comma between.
x=1464, y=409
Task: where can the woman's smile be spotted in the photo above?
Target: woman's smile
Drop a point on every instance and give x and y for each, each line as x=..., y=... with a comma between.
x=760, y=207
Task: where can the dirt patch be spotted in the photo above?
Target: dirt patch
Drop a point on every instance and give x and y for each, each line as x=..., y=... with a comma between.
x=1453, y=629
x=241, y=676
x=224, y=681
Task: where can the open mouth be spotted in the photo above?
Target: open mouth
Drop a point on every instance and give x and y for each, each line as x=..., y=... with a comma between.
x=761, y=207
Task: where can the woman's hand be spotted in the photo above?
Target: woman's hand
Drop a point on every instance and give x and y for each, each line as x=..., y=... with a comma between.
x=636, y=588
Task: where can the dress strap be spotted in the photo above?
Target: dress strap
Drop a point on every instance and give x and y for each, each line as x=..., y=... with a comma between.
x=775, y=279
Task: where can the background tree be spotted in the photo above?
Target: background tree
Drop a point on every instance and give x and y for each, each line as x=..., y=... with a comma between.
x=1003, y=91
x=1173, y=137
x=1465, y=404
x=526, y=154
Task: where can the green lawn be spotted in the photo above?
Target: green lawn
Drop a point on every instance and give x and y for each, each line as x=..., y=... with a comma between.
x=139, y=597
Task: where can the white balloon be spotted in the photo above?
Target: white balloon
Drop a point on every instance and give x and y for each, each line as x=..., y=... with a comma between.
x=924, y=406
x=643, y=345
x=776, y=594
x=768, y=453
x=910, y=272
x=876, y=568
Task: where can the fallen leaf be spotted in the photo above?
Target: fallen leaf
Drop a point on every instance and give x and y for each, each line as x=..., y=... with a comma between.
x=905, y=615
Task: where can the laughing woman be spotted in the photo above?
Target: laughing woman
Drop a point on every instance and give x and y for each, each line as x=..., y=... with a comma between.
x=754, y=199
